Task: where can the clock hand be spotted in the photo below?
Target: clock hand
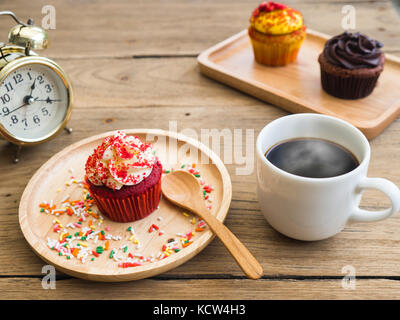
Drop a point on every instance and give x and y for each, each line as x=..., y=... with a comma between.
x=27, y=101
x=48, y=100
x=32, y=87
x=17, y=108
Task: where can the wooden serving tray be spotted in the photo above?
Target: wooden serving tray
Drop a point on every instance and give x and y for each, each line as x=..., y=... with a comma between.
x=297, y=88
x=49, y=184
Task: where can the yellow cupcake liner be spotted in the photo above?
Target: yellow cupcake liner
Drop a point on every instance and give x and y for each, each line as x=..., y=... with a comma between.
x=276, y=53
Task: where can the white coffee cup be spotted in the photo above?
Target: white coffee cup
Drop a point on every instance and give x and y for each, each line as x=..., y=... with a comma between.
x=317, y=208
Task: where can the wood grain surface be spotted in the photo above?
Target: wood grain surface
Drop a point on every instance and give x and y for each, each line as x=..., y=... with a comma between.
x=133, y=65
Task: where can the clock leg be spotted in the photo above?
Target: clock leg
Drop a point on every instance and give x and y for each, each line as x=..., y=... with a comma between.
x=68, y=129
x=17, y=154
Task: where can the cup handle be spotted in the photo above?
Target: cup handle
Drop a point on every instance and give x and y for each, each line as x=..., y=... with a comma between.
x=389, y=189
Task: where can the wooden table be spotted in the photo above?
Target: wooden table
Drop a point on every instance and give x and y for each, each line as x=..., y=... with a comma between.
x=133, y=65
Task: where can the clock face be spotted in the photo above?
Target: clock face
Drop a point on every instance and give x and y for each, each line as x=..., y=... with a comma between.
x=33, y=102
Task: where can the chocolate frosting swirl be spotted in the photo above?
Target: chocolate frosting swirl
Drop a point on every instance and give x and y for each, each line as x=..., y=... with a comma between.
x=353, y=51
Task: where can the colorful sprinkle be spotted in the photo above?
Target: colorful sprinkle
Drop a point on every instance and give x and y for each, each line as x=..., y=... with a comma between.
x=87, y=243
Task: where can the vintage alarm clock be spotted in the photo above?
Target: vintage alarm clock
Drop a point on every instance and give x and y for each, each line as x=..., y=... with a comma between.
x=35, y=93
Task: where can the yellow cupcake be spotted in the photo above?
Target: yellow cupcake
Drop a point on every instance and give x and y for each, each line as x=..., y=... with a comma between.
x=276, y=32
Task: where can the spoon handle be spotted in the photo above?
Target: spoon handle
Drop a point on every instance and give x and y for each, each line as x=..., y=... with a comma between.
x=243, y=257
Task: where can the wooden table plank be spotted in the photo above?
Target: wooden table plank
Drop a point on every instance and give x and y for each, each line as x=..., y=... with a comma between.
x=100, y=28
x=147, y=83
x=204, y=289
x=278, y=254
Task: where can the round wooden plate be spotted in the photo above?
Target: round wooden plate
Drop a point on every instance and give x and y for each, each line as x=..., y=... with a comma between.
x=49, y=184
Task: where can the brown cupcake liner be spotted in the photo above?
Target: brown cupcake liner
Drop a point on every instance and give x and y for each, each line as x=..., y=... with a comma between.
x=348, y=87
x=131, y=208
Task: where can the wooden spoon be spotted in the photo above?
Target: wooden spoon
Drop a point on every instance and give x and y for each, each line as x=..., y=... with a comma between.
x=183, y=189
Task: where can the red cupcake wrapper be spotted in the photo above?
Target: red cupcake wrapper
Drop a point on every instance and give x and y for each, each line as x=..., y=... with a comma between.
x=131, y=208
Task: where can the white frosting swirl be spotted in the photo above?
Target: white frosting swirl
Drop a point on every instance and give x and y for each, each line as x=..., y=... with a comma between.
x=120, y=160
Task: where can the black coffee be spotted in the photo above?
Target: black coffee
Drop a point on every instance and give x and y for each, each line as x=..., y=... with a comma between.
x=312, y=158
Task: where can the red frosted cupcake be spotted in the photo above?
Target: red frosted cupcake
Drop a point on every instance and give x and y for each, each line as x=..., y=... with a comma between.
x=124, y=178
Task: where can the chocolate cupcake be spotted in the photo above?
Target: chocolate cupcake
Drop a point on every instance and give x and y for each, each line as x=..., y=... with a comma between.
x=350, y=65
